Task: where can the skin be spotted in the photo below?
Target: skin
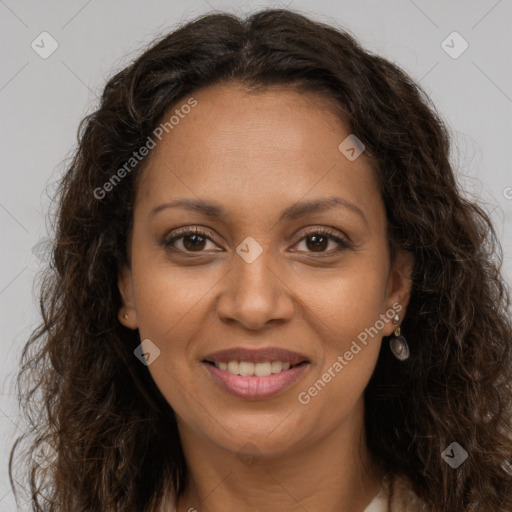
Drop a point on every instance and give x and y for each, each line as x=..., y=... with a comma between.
x=256, y=154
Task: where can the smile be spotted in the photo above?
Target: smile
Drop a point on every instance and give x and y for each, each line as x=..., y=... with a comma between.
x=250, y=369
x=255, y=381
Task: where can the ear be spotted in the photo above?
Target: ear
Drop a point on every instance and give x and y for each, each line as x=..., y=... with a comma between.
x=127, y=314
x=399, y=288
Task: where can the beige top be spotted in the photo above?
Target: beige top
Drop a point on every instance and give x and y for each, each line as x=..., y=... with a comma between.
x=404, y=500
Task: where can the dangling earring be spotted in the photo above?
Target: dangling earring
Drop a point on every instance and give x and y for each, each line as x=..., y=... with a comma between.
x=398, y=343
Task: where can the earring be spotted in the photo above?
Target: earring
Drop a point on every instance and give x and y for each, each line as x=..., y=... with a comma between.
x=398, y=343
x=125, y=316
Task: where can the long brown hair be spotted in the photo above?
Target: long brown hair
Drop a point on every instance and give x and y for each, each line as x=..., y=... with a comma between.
x=96, y=409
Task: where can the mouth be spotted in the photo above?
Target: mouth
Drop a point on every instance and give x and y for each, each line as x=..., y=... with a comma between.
x=251, y=369
x=255, y=374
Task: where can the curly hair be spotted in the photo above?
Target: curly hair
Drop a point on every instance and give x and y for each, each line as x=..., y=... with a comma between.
x=96, y=410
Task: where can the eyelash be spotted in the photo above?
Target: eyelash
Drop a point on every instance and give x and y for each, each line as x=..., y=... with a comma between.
x=184, y=232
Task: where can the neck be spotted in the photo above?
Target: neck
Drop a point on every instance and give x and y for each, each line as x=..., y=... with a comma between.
x=331, y=474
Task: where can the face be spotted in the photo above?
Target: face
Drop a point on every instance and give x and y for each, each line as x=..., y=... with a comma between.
x=290, y=267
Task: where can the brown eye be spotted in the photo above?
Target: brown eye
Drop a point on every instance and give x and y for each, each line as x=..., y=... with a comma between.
x=318, y=241
x=191, y=240
x=196, y=240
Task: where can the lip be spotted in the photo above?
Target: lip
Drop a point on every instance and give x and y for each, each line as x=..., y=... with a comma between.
x=256, y=355
x=256, y=388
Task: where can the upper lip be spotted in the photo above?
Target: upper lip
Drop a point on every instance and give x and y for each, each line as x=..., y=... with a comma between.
x=260, y=355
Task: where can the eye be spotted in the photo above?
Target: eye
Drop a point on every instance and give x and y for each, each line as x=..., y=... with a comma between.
x=191, y=240
x=195, y=240
x=317, y=241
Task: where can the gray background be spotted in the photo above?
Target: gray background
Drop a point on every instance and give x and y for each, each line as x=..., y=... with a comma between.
x=43, y=100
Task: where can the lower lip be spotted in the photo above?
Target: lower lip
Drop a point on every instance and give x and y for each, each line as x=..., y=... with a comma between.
x=256, y=388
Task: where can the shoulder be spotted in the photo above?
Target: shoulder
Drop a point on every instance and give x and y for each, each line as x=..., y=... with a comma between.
x=166, y=503
x=404, y=499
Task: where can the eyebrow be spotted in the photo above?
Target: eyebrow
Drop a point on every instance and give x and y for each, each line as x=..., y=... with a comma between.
x=293, y=212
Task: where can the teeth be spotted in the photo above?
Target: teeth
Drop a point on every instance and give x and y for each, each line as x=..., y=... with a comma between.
x=249, y=369
x=246, y=369
x=276, y=366
x=233, y=367
x=263, y=369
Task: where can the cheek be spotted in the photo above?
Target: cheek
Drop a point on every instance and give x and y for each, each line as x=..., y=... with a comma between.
x=347, y=301
x=168, y=298
x=168, y=308
x=348, y=313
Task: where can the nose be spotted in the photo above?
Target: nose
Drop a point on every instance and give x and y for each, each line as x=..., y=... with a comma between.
x=255, y=294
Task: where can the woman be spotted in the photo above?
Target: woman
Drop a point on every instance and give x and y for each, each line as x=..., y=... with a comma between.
x=268, y=292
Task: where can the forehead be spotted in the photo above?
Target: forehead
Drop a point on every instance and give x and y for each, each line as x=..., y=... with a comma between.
x=241, y=143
